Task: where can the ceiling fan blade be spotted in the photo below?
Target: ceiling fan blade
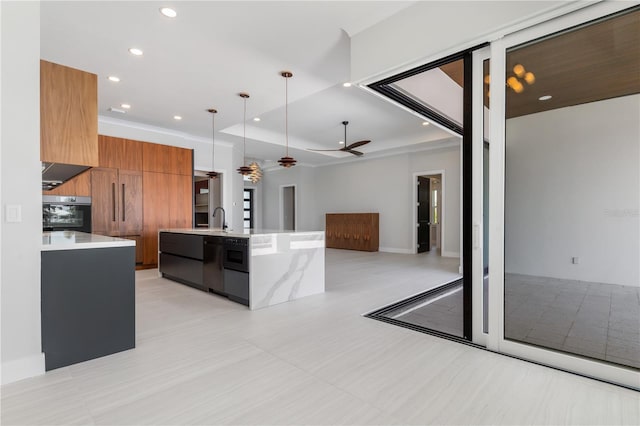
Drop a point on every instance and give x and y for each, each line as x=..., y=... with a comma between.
x=357, y=144
x=351, y=151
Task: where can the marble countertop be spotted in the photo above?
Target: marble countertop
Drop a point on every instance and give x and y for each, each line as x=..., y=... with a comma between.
x=72, y=240
x=217, y=232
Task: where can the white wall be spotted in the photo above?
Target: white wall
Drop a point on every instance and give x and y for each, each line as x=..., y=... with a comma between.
x=377, y=185
x=572, y=190
x=20, y=178
x=428, y=29
x=227, y=157
x=303, y=178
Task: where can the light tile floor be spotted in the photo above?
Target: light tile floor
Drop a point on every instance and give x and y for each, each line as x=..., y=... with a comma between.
x=597, y=320
x=201, y=359
x=442, y=311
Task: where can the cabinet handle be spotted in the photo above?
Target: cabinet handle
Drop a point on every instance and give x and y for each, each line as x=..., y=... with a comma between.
x=123, y=203
x=113, y=201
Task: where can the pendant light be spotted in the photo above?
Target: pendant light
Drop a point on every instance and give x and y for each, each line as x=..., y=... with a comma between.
x=286, y=161
x=244, y=169
x=256, y=172
x=213, y=174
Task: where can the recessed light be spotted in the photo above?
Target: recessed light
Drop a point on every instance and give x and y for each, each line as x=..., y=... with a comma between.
x=256, y=119
x=121, y=111
x=113, y=78
x=168, y=12
x=425, y=123
x=545, y=98
x=347, y=84
x=135, y=51
x=177, y=117
x=125, y=106
x=341, y=142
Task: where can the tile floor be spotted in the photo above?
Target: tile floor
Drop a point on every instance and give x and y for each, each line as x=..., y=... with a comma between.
x=442, y=311
x=597, y=320
x=201, y=359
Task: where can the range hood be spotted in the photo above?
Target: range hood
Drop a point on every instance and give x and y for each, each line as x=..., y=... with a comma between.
x=55, y=174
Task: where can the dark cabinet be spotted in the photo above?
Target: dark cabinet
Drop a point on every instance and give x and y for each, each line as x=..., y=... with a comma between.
x=195, y=260
x=88, y=304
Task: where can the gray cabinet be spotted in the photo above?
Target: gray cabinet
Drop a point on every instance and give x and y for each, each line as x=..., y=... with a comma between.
x=88, y=304
x=195, y=260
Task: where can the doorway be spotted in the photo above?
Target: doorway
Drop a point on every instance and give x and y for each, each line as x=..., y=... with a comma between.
x=429, y=211
x=288, y=207
x=441, y=92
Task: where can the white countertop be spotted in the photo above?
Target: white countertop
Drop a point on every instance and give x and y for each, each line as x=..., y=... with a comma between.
x=245, y=233
x=72, y=240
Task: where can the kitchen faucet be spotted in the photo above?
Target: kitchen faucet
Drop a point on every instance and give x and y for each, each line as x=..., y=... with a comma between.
x=224, y=214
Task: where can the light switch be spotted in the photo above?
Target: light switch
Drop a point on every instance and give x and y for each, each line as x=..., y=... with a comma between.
x=13, y=213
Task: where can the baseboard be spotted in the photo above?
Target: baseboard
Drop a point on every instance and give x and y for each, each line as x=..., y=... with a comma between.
x=450, y=254
x=394, y=250
x=12, y=371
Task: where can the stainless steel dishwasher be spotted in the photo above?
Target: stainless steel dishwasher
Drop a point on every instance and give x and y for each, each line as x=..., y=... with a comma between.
x=213, y=264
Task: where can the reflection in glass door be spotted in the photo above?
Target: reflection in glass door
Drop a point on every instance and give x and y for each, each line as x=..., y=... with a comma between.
x=441, y=92
x=572, y=188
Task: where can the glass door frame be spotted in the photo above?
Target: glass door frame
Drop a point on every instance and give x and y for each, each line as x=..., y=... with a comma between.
x=384, y=87
x=495, y=338
x=477, y=211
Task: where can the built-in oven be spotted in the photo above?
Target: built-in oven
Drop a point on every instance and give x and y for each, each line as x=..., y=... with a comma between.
x=235, y=252
x=66, y=213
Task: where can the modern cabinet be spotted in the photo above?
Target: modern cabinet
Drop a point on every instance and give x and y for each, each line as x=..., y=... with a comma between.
x=195, y=260
x=68, y=115
x=167, y=159
x=78, y=186
x=88, y=303
x=352, y=231
x=120, y=153
x=168, y=203
x=117, y=204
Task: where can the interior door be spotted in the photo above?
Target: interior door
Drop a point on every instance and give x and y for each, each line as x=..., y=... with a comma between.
x=424, y=214
x=289, y=207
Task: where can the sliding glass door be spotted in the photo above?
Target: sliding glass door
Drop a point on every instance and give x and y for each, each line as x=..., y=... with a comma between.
x=442, y=92
x=564, y=197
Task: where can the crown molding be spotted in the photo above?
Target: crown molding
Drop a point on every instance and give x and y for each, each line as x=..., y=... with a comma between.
x=159, y=130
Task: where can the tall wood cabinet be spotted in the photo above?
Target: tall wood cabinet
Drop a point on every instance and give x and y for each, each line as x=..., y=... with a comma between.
x=116, y=191
x=68, y=115
x=116, y=209
x=167, y=193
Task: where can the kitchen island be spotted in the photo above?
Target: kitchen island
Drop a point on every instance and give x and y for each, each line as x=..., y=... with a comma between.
x=87, y=296
x=258, y=268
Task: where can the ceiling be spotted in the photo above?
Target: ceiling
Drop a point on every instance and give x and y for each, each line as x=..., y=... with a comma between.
x=596, y=62
x=213, y=50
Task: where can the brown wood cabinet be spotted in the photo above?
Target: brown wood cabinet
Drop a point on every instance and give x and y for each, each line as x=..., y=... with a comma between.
x=168, y=203
x=68, y=115
x=352, y=231
x=167, y=159
x=79, y=186
x=117, y=204
x=120, y=153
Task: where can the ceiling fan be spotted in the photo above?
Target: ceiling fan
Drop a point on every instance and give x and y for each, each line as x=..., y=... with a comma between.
x=346, y=148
